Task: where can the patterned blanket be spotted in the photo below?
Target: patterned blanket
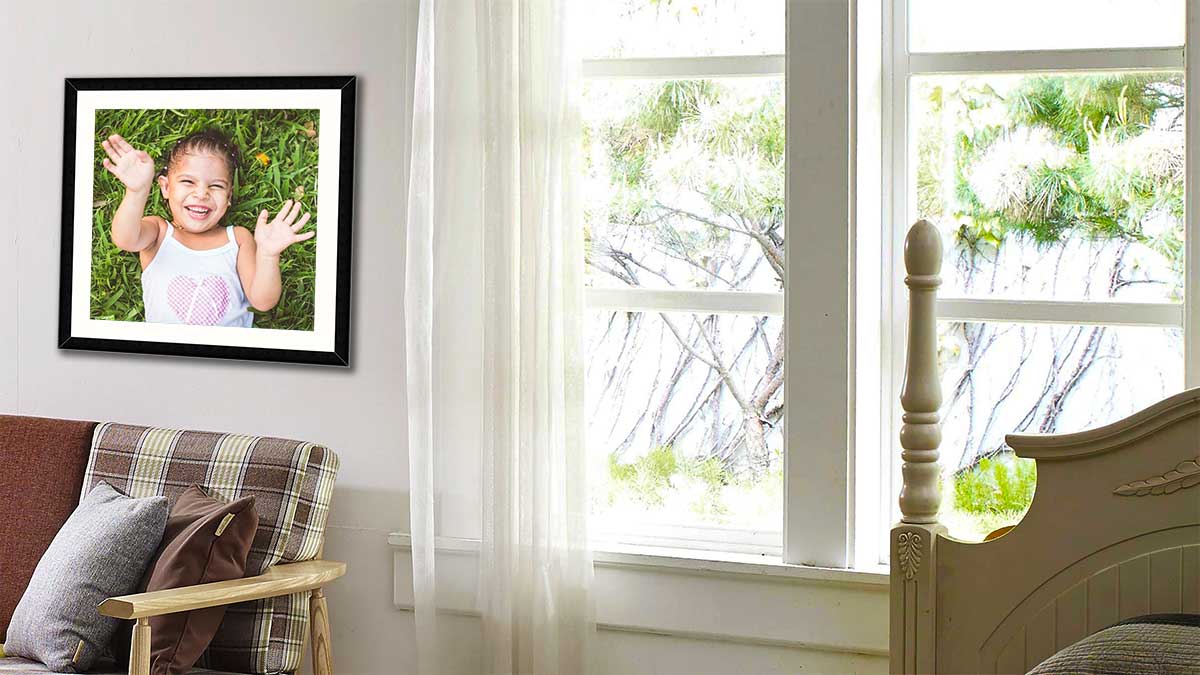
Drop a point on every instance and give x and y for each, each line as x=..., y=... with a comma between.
x=1156, y=644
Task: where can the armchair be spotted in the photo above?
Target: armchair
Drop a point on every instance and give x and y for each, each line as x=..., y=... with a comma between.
x=271, y=613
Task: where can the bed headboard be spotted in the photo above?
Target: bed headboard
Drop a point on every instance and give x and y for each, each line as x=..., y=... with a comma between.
x=1113, y=530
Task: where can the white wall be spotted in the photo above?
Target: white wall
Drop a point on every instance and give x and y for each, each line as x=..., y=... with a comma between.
x=357, y=411
x=663, y=613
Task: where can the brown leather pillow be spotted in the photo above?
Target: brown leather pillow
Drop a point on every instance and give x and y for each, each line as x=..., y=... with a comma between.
x=206, y=540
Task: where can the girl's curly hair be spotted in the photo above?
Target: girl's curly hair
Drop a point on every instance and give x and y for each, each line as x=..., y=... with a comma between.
x=208, y=141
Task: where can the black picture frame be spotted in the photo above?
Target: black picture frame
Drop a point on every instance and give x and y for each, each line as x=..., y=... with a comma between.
x=337, y=350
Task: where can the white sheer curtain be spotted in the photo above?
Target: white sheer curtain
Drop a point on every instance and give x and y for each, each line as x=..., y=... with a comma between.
x=494, y=242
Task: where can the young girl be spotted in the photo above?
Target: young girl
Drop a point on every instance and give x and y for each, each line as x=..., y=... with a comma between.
x=193, y=270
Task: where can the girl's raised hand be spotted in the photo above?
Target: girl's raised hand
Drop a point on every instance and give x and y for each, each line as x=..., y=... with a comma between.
x=131, y=166
x=273, y=237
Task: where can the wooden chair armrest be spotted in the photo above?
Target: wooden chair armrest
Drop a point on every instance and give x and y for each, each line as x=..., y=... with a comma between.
x=279, y=580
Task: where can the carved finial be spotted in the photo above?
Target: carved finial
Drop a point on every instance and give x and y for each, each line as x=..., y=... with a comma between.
x=921, y=434
x=923, y=250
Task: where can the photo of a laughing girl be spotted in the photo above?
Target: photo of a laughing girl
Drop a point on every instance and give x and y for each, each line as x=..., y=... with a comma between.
x=204, y=217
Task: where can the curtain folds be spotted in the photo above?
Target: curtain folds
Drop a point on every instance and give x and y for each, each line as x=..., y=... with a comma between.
x=494, y=253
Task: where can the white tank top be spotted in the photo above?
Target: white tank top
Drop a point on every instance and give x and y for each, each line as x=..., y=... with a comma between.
x=199, y=288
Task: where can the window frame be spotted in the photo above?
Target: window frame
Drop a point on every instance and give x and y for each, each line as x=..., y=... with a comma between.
x=730, y=540
x=899, y=67
x=818, y=432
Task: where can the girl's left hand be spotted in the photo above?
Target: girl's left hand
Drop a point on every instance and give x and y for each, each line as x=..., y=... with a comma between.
x=273, y=237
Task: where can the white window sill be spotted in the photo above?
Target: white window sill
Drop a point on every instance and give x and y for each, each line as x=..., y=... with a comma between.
x=733, y=597
x=718, y=562
x=686, y=560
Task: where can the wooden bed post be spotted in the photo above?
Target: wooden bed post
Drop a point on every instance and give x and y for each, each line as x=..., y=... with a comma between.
x=912, y=542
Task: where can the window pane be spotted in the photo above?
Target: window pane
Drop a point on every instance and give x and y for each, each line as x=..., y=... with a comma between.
x=654, y=28
x=975, y=26
x=1053, y=186
x=999, y=378
x=685, y=420
x=684, y=184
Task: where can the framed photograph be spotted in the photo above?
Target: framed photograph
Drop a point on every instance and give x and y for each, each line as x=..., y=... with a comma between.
x=208, y=217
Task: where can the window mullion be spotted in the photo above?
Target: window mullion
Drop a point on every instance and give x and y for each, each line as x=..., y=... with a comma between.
x=818, y=177
x=895, y=310
x=1166, y=58
x=683, y=68
x=871, y=283
x=1191, y=354
x=1061, y=312
x=676, y=300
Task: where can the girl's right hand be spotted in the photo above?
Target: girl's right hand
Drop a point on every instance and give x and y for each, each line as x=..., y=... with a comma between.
x=132, y=167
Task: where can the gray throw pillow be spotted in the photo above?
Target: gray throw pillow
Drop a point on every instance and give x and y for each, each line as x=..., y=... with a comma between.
x=100, y=552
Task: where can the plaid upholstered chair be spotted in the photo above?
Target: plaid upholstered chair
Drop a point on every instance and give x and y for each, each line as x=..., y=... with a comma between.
x=279, y=605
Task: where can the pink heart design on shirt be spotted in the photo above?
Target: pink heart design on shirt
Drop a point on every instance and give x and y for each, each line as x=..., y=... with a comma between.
x=198, y=303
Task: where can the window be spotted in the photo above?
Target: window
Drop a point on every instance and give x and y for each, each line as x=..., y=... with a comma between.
x=683, y=112
x=1057, y=178
x=1052, y=155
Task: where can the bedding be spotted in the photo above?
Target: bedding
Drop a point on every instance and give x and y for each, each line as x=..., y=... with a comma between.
x=1155, y=644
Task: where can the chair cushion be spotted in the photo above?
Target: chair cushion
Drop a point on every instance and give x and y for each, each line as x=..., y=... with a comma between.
x=19, y=666
x=43, y=461
x=292, y=483
x=100, y=552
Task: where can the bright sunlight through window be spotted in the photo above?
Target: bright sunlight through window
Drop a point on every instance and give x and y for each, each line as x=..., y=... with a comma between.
x=684, y=245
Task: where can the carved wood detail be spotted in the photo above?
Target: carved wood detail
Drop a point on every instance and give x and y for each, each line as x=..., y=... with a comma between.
x=1185, y=474
x=908, y=544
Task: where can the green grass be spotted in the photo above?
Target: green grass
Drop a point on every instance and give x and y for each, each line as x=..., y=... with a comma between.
x=285, y=138
x=665, y=483
x=1000, y=484
x=995, y=493
x=649, y=478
